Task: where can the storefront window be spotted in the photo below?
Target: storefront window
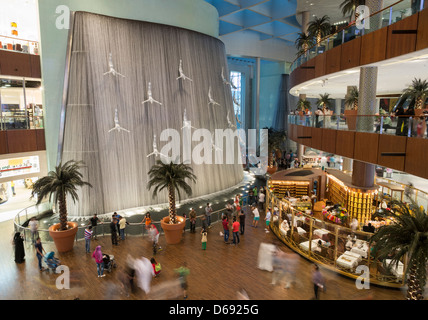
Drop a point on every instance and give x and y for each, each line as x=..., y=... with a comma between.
x=21, y=104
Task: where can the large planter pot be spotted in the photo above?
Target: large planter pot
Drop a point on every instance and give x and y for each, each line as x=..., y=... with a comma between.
x=173, y=232
x=64, y=240
x=351, y=119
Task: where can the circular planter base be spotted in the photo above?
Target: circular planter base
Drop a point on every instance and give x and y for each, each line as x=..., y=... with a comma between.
x=173, y=232
x=64, y=240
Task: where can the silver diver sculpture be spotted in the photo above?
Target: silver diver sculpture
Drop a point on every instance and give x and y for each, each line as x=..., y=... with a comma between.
x=112, y=70
x=210, y=98
x=155, y=149
x=180, y=71
x=116, y=123
x=150, y=98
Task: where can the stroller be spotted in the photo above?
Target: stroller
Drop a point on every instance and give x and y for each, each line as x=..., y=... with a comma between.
x=51, y=261
x=109, y=262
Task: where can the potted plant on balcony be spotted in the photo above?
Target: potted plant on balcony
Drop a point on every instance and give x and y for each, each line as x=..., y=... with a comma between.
x=303, y=43
x=418, y=91
x=325, y=103
x=349, y=7
x=406, y=237
x=351, y=107
x=172, y=177
x=59, y=183
x=319, y=28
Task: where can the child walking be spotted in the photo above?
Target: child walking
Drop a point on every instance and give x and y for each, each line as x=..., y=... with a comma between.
x=204, y=239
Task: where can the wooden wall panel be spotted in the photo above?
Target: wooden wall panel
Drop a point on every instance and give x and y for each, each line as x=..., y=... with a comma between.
x=299, y=134
x=329, y=140
x=391, y=144
x=317, y=138
x=366, y=146
x=36, y=70
x=15, y=64
x=373, y=46
x=3, y=142
x=402, y=37
x=319, y=62
x=21, y=141
x=422, y=37
x=351, y=52
x=345, y=143
x=306, y=134
x=292, y=129
x=332, y=60
x=40, y=139
x=417, y=157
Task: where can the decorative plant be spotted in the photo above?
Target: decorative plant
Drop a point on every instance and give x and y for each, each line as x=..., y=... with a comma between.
x=406, y=237
x=351, y=99
x=303, y=104
x=418, y=90
x=349, y=8
x=303, y=43
x=325, y=101
x=275, y=140
x=172, y=177
x=59, y=183
x=319, y=28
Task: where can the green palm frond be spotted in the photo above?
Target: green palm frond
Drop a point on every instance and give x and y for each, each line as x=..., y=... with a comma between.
x=418, y=90
x=325, y=101
x=351, y=99
x=303, y=104
x=319, y=28
x=348, y=7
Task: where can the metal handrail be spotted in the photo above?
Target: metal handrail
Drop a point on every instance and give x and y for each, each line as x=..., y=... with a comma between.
x=342, y=30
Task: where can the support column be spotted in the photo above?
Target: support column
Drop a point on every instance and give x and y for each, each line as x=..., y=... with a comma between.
x=300, y=147
x=363, y=173
x=305, y=21
x=375, y=21
x=338, y=107
x=347, y=164
x=257, y=115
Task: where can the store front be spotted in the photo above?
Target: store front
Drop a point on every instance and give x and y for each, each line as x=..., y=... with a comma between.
x=18, y=172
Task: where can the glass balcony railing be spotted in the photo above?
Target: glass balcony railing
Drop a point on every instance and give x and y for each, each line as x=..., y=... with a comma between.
x=409, y=126
x=19, y=45
x=21, y=122
x=385, y=17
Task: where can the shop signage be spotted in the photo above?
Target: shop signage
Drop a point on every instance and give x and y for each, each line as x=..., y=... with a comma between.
x=19, y=166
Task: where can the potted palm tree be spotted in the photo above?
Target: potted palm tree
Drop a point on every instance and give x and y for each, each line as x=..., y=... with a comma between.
x=324, y=101
x=319, y=28
x=303, y=43
x=59, y=183
x=349, y=7
x=406, y=238
x=275, y=140
x=172, y=177
x=351, y=107
x=418, y=91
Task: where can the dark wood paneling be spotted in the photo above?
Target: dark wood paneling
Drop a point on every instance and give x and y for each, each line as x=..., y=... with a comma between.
x=40, y=139
x=15, y=64
x=36, y=70
x=292, y=132
x=350, y=56
x=345, y=143
x=21, y=141
x=422, y=37
x=319, y=61
x=332, y=60
x=391, y=144
x=373, y=46
x=366, y=146
x=317, y=138
x=402, y=43
x=329, y=140
x=417, y=157
x=305, y=136
x=3, y=142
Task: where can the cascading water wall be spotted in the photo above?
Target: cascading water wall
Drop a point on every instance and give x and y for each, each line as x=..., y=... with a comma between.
x=116, y=65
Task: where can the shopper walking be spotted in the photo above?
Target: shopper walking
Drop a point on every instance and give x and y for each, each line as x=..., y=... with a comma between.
x=18, y=242
x=192, y=220
x=113, y=231
x=122, y=226
x=208, y=211
x=157, y=268
x=39, y=252
x=225, y=222
x=318, y=281
x=94, y=223
x=235, y=230
x=256, y=216
x=241, y=217
x=267, y=219
x=154, y=234
x=204, y=238
x=147, y=220
x=255, y=192
x=183, y=272
x=34, y=227
x=98, y=256
x=261, y=200
x=88, y=237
